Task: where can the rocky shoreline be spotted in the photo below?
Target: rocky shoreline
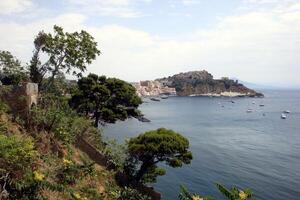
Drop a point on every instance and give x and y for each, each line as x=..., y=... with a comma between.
x=194, y=83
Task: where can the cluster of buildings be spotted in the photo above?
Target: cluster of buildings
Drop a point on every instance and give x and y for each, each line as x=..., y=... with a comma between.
x=153, y=88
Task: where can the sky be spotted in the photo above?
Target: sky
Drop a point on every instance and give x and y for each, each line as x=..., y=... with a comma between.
x=256, y=41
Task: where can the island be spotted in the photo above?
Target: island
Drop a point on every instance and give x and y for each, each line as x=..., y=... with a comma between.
x=194, y=83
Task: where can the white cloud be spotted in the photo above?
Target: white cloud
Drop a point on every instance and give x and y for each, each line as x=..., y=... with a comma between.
x=14, y=6
x=260, y=47
x=190, y=2
x=116, y=8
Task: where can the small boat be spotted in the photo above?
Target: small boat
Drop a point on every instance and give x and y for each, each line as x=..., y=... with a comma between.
x=232, y=101
x=261, y=105
x=253, y=102
x=264, y=114
x=286, y=111
x=164, y=97
x=283, y=116
x=249, y=111
x=154, y=99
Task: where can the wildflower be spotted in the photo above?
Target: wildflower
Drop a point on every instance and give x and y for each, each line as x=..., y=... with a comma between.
x=77, y=195
x=196, y=197
x=38, y=176
x=67, y=162
x=242, y=195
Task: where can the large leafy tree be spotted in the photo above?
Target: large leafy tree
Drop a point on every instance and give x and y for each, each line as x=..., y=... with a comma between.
x=11, y=71
x=148, y=149
x=64, y=52
x=106, y=100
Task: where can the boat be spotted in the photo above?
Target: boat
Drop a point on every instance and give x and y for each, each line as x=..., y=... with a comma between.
x=249, y=111
x=286, y=111
x=154, y=99
x=164, y=97
x=232, y=101
x=261, y=105
x=253, y=102
x=283, y=116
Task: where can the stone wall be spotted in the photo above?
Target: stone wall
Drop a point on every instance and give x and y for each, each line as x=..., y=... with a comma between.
x=20, y=98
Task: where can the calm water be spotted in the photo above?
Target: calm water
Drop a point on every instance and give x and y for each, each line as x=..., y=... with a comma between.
x=229, y=145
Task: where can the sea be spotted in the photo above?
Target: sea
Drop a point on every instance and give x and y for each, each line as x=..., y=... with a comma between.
x=257, y=150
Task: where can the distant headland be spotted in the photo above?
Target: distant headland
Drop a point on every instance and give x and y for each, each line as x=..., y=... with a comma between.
x=194, y=83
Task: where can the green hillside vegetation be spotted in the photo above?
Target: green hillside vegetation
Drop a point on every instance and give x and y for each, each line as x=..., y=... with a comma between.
x=41, y=152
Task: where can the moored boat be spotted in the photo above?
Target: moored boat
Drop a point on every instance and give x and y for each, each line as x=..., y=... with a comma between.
x=164, y=97
x=283, y=116
x=154, y=99
x=249, y=111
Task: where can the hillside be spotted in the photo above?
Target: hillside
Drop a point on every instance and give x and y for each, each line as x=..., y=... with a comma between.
x=202, y=83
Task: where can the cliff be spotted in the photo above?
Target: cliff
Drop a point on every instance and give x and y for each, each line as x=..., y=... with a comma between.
x=202, y=83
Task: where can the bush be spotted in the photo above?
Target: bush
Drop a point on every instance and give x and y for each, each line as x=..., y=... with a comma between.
x=132, y=194
x=71, y=172
x=17, y=180
x=16, y=153
x=116, y=153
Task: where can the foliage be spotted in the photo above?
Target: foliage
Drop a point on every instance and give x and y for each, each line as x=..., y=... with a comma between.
x=54, y=115
x=16, y=153
x=186, y=195
x=152, y=147
x=116, y=153
x=17, y=156
x=231, y=194
x=71, y=172
x=105, y=99
x=11, y=72
x=132, y=194
x=234, y=193
x=3, y=107
x=65, y=52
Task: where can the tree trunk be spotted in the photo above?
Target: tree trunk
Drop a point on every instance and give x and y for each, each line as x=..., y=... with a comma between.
x=97, y=117
x=143, y=170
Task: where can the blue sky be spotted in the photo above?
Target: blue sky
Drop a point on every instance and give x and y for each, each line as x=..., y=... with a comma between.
x=255, y=40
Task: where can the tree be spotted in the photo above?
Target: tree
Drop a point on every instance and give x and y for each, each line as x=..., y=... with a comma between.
x=106, y=100
x=152, y=147
x=11, y=72
x=65, y=52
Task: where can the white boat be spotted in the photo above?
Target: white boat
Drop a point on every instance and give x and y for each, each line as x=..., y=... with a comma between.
x=283, y=116
x=164, y=97
x=286, y=111
x=253, y=102
x=249, y=111
x=154, y=99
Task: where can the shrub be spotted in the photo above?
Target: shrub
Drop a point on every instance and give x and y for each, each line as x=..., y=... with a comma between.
x=16, y=153
x=132, y=194
x=72, y=172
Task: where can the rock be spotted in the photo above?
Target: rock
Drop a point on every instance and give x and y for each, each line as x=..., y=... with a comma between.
x=143, y=119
